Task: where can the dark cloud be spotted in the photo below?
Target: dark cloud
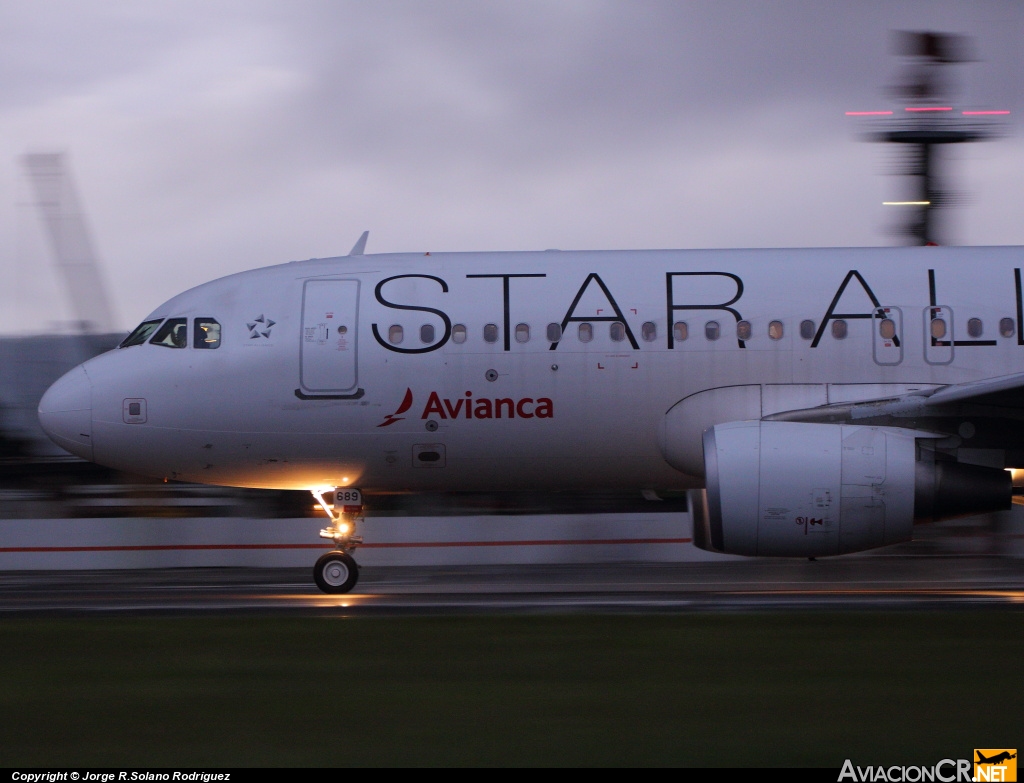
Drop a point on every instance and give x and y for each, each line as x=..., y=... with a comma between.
x=50, y=48
x=212, y=137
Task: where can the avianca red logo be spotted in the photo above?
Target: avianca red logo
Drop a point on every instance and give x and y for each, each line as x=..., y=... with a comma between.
x=391, y=418
x=470, y=407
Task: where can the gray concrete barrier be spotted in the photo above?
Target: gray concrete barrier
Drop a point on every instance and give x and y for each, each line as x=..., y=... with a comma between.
x=232, y=541
x=157, y=542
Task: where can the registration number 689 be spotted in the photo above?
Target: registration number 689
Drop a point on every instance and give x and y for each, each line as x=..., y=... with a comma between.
x=351, y=499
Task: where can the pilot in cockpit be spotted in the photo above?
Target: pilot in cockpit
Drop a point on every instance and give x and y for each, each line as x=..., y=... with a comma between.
x=173, y=334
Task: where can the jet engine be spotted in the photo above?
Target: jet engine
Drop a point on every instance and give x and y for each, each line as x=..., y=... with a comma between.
x=805, y=490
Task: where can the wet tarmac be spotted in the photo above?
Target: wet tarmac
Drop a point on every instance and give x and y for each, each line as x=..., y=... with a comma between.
x=876, y=583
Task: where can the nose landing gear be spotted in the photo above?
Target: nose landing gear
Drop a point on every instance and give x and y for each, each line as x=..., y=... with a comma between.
x=337, y=571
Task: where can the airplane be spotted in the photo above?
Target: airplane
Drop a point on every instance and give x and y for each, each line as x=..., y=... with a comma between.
x=813, y=402
x=996, y=759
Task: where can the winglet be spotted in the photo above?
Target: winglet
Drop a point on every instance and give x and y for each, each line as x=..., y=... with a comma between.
x=360, y=245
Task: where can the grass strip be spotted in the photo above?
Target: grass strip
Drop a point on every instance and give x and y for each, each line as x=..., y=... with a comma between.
x=696, y=690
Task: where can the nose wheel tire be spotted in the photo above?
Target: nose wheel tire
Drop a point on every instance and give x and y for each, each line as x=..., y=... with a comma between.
x=336, y=572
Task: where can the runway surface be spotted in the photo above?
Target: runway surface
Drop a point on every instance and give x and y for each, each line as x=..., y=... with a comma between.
x=854, y=583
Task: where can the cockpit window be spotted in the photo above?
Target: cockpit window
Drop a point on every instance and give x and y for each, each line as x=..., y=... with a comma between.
x=141, y=333
x=173, y=334
x=207, y=333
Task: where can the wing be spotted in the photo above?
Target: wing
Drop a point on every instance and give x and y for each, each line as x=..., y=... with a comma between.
x=1005, y=391
x=985, y=415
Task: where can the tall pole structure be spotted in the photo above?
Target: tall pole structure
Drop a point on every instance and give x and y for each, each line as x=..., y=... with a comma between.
x=924, y=122
x=70, y=242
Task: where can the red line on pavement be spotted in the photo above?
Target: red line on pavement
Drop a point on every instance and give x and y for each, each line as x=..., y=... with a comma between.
x=393, y=545
x=541, y=542
x=156, y=547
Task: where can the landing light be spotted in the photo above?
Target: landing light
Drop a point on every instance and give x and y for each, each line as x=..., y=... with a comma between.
x=905, y=203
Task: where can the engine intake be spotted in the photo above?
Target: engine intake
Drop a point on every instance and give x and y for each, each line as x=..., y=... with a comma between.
x=805, y=490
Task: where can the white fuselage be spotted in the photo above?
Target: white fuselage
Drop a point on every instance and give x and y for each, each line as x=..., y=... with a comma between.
x=301, y=404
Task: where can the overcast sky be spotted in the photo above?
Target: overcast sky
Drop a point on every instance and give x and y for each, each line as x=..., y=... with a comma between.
x=207, y=138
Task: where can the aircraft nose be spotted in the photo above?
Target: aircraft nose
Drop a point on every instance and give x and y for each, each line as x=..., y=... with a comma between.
x=65, y=413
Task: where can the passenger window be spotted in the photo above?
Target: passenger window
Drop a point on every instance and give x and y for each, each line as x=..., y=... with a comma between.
x=522, y=333
x=173, y=334
x=712, y=330
x=490, y=333
x=1006, y=327
x=585, y=332
x=459, y=333
x=887, y=328
x=141, y=334
x=207, y=333
x=427, y=333
x=938, y=328
x=395, y=334
x=975, y=328
x=775, y=330
x=743, y=330
x=617, y=331
x=649, y=331
x=680, y=331
x=839, y=329
x=554, y=333
x=807, y=329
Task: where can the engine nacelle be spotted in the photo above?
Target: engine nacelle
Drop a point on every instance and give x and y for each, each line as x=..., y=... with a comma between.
x=805, y=490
